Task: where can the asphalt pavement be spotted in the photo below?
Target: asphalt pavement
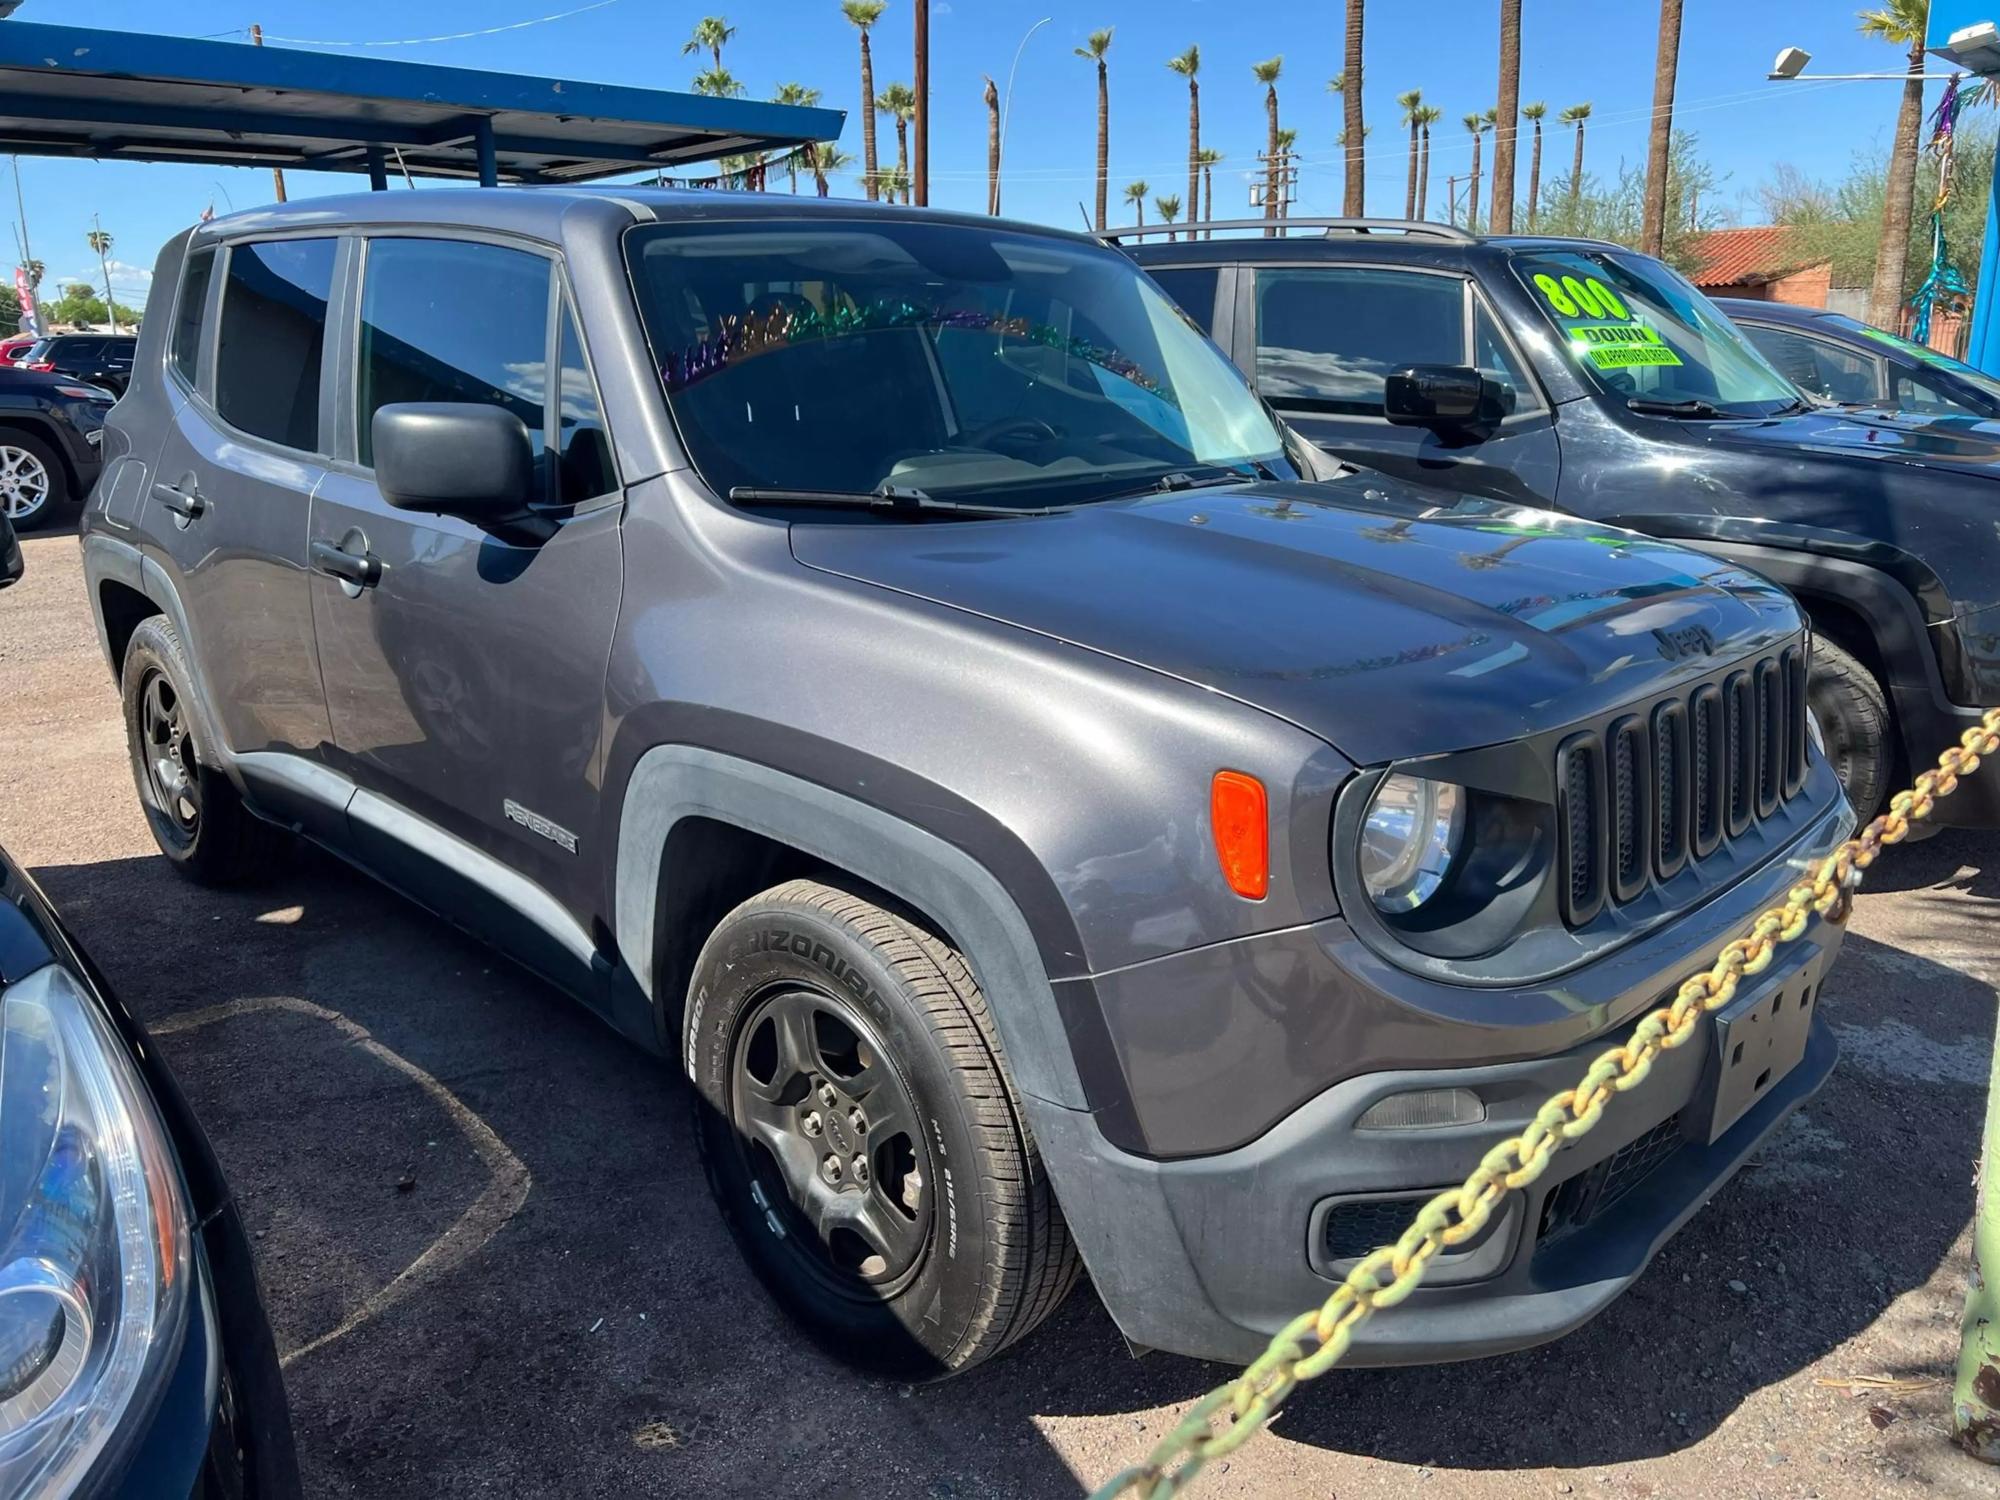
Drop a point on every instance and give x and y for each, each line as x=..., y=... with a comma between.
x=493, y=1267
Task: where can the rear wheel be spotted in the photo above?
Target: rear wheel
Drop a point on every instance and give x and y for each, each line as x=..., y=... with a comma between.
x=1852, y=714
x=197, y=817
x=33, y=486
x=862, y=1138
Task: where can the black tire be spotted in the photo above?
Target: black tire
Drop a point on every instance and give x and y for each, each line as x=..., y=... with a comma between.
x=34, y=486
x=197, y=817
x=894, y=1015
x=1852, y=713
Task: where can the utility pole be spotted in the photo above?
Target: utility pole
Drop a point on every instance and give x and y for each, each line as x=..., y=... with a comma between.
x=922, y=172
x=1451, y=199
x=277, y=173
x=24, y=279
x=101, y=243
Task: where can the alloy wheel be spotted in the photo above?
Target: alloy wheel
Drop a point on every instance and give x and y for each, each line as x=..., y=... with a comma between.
x=168, y=752
x=24, y=483
x=838, y=1165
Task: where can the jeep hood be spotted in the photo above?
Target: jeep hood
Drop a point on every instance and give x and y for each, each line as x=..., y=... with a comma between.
x=1389, y=620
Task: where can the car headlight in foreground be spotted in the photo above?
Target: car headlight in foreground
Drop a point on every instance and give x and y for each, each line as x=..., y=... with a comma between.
x=94, y=1238
x=1409, y=837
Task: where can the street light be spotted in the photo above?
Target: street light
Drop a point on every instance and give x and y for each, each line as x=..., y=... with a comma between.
x=1007, y=104
x=1790, y=67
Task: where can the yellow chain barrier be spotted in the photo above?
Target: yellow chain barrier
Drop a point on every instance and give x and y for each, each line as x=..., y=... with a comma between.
x=1312, y=1343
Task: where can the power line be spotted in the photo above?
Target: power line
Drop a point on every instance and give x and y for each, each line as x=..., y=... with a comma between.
x=425, y=41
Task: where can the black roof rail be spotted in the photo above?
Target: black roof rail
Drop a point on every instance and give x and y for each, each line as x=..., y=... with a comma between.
x=1416, y=229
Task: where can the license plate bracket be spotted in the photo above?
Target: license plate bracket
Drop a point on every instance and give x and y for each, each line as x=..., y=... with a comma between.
x=1758, y=1038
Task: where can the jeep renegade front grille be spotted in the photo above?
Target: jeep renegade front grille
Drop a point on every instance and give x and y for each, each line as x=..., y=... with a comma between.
x=1640, y=798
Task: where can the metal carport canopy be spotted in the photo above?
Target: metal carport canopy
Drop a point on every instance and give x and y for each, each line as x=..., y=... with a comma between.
x=126, y=96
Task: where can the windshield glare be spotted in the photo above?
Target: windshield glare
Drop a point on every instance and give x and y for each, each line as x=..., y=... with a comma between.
x=848, y=355
x=1638, y=330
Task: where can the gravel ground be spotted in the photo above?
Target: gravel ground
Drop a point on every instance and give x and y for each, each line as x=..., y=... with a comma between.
x=553, y=1308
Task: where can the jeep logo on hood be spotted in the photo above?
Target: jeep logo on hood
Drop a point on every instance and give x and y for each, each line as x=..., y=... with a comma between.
x=1689, y=640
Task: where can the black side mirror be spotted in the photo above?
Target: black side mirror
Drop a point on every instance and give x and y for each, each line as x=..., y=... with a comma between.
x=1452, y=399
x=454, y=459
x=11, y=565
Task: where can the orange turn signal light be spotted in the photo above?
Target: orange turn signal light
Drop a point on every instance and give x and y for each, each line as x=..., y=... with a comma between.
x=1239, y=817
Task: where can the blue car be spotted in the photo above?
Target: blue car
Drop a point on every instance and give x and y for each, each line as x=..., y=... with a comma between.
x=1853, y=363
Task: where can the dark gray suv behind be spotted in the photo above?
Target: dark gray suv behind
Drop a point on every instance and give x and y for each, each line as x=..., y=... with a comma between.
x=891, y=664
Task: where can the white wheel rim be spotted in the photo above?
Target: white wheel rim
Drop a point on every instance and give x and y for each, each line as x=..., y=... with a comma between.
x=24, y=482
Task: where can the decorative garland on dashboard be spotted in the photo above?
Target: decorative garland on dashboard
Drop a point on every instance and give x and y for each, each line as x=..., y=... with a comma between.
x=739, y=338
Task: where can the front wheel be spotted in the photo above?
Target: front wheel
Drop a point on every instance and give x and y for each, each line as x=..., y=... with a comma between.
x=861, y=1136
x=1851, y=712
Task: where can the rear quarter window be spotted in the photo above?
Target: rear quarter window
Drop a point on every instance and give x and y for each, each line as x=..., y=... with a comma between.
x=188, y=312
x=1193, y=287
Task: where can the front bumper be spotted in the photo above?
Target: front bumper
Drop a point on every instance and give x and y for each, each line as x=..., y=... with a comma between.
x=1210, y=1255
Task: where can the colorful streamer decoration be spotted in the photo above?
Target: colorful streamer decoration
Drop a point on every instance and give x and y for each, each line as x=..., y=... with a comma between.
x=739, y=338
x=1944, y=285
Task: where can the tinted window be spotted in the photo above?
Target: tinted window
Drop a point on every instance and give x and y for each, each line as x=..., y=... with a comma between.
x=187, y=317
x=445, y=320
x=1193, y=287
x=79, y=348
x=583, y=453
x=1821, y=368
x=273, y=328
x=1910, y=392
x=1327, y=340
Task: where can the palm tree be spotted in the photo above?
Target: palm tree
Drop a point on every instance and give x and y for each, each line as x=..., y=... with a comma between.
x=1533, y=113
x=100, y=241
x=1135, y=194
x=864, y=14
x=1666, y=62
x=1169, y=209
x=1206, y=160
x=1428, y=116
x=718, y=82
x=992, y=146
x=1412, y=105
x=1575, y=115
x=799, y=94
x=1267, y=73
x=896, y=183
x=1287, y=139
x=710, y=32
x=1187, y=65
x=1477, y=125
x=1094, y=47
x=1506, y=113
x=899, y=101
x=1354, y=201
x=823, y=157
x=1901, y=22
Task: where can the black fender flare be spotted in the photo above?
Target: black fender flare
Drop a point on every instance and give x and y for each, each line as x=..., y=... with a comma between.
x=671, y=782
x=111, y=559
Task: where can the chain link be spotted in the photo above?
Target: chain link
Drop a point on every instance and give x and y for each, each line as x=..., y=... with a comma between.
x=1312, y=1343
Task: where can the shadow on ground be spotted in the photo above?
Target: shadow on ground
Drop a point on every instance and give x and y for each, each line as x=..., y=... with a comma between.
x=601, y=1335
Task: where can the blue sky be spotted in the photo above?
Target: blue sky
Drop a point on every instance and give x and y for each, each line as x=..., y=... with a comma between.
x=1572, y=50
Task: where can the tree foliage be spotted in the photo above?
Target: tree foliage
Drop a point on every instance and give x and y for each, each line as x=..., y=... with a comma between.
x=1842, y=221
x=80, y=306
x=1616, y=211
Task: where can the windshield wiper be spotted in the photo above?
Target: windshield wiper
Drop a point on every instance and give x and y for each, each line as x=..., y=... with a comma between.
x=1646, y=406
x=889, y=497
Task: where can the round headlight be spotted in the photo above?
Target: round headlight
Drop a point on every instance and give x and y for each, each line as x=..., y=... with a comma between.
x=1408, y=839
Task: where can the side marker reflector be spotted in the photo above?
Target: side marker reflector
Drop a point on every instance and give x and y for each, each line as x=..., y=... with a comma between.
x=1239, y=815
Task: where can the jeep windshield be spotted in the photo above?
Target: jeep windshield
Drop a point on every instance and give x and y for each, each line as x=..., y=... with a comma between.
x=1638, y=330
x=866, y=356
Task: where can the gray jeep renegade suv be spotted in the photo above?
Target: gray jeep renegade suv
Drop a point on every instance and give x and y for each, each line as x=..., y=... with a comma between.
x=891, y=664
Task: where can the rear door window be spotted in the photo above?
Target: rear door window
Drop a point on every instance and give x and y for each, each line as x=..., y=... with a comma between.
x=1328, y=339
x=188, y=320
x=267, y=358
x=456, y=321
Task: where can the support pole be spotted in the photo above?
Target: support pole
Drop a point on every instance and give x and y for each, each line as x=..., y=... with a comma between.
x=1975, y=1398
x=277, y=174
x=482, y=140
x=1983, y=348
x=922, y=166
x=378, y=173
